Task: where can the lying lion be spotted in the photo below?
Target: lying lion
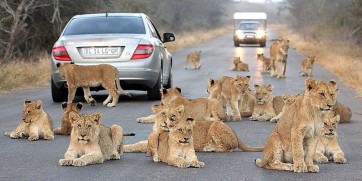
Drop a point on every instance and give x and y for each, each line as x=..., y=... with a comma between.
x=36, y=123
x=292, y=143
x=239, y=65
x=263, y=106
x=65, y=126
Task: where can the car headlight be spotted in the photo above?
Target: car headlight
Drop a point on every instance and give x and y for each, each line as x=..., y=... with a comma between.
x=260, y=34
x=239, y=33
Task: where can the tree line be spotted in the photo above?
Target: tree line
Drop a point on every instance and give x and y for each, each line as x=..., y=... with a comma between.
x=29, y=26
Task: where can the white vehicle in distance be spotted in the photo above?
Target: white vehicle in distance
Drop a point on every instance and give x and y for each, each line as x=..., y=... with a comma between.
x=128, y=41
x=250, y=28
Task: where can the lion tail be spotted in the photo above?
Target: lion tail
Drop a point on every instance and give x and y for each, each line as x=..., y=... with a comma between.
x=118, y=85
x=129, y=134
x=259, y=162
x=245, y=147
x=7, y=133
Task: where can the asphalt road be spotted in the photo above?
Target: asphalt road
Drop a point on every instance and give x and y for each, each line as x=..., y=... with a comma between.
x=38, y=160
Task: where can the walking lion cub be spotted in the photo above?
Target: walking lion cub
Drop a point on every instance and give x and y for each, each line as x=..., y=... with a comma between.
x=292, y=143
x=194, y=58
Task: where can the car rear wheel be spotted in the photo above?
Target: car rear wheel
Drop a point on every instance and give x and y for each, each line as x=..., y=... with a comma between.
x=58, y=94
x=236, y=44
x=154, y=93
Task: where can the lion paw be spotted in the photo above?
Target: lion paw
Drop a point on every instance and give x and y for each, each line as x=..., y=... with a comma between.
x=115, y=156
x=33, y=138
x=65, y=162
x=79, y=162
x=183, y=165
x=198, y=164
x=313, y=168
x=253, y=118
x=300, y=168
x=111, y=105
x=321, y=159
x=274, y=120
x=340, y=160
x=49, y=137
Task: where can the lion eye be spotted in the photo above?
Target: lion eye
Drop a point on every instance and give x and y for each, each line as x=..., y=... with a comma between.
x=28, y=112
x=179, y=130
x=333, y=124
x=322, y=94
x=79, y=126
x=325, y=124
x=89, y=126
x=163, y=114
x=332, y=95
x=189, y=131
x=173, y=118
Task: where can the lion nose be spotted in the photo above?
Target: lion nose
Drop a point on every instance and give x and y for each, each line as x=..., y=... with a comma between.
x=329, y=105
x=331, y=130
x=82, y=135
x=186, y=139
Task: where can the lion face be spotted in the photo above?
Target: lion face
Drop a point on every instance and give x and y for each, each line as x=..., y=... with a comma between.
x=289, y=99
x=236, y=60
x=322, y=94
x=182, y=131
x=263, y=93
x=85, y=128
x=168, y=94
x=31, y=111
x=330, y=126
x=174, y=115
x=160, y=119
x=241, y=84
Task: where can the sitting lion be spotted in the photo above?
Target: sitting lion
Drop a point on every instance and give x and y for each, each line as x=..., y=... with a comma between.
x=36, y=123
x=92, y=76
x=288, y=100
x=176, y=147
x=306, y=66
x=278, y=58
x=265, y=60
x=327, y=146
x=65, y=126
x=291, y=144
x=239, y=65
x=91, y=142
x=263, y=106
x=194, y=57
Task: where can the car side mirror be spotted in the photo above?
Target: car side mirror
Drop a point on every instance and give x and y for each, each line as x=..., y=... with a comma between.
x=168, y=37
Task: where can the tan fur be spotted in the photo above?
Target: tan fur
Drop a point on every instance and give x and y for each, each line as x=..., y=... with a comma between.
x=306, y=66
x=343, y=111
x=288, y=100
x=265, y=60
x=199, y=108
x=239, y=65
x=263, y=107
x=65, y=126
x=292, y=143
x=232, y=90
x=278, y=57
x=194, y=57
x=91, y=142
x=327, y=146
x=176, y=147
x=103, y=75
x=36, y=123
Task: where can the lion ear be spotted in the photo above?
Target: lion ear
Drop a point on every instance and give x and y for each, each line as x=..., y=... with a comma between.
x=191, y=121
x=79, y=105
x=163, y=91
x=27, y=102
x=156, y=108
x=211, y=81
x=256, y=86
x=64, y=105
x=270, y=88
x=96, y=117
x=178, y=89
x=180, y=109
x=38, y=104
x=310, y=84
x=73, y=116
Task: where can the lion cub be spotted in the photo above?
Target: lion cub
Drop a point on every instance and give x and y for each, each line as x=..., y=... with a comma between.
x=177, y=146
x=306, y=66
x=103, y=75
x=288, y=100
x=91, y=142
x=265, y=60
x=194, y=57
x=239, y=65
x=263, y=107
x=36, y=123
x=65, y=126
x=327, y=146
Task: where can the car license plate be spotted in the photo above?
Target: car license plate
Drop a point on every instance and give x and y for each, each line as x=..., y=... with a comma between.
x=100, y=51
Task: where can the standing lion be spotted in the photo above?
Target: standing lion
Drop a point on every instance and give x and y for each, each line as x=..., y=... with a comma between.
x=194, y=57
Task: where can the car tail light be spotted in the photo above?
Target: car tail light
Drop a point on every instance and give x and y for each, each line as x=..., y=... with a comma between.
x=60, y=53
x=142, y=51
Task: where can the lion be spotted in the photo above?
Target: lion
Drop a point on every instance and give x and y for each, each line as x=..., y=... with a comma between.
x=232, y=90
x=176, y=146
x=199, y=108
x=265, y=60
x=291, y=144
x=327, y=146
x=239, y=65
x=91, y=142
x=65, y=126
x=278, y=57
x=343, y=111
x=288, y=100
x=306, y=66
x=263, y=106
x=36, y=123
x=92, y=76
x=194, y=57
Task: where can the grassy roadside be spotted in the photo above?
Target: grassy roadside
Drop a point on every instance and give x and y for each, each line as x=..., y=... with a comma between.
x=35, y=71
x=343, y=59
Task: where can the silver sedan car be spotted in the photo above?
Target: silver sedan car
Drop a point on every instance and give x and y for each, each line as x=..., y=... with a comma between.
x=128, y=41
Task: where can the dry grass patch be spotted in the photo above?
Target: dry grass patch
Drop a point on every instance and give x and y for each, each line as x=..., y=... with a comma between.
x=32, y=72
x=343, y=59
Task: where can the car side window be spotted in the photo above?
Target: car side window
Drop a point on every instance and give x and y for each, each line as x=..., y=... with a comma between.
x=153, y=29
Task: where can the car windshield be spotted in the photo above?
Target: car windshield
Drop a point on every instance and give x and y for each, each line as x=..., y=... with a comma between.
x=249, y=26
x=106, y=25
